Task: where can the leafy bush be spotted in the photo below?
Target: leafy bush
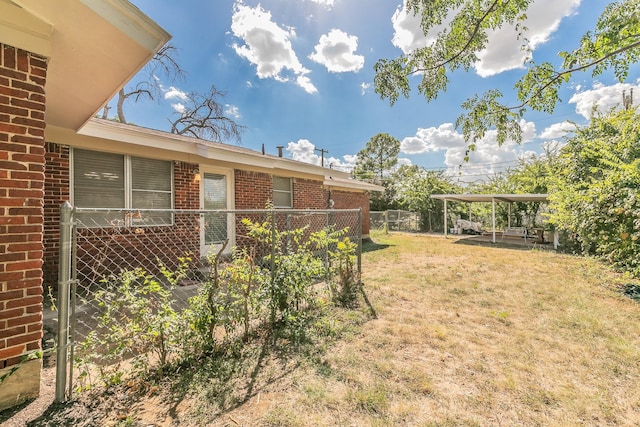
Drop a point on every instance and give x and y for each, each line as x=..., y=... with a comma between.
x=294, y=268
x=139, y=319
x=595, y=194
x=346, y=284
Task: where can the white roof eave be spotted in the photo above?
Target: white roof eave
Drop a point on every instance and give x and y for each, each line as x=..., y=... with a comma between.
x=219, y=152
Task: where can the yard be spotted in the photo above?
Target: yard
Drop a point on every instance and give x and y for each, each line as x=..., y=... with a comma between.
x=451, y=333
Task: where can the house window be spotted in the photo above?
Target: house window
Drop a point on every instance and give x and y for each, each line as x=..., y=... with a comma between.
x=282, y=194
x=116, y=181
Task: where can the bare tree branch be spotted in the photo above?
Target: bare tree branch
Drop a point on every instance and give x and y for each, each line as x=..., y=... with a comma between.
x=204, y=118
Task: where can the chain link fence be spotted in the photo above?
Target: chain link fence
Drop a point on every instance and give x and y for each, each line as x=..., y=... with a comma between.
x=98, y=245
x=394, y=220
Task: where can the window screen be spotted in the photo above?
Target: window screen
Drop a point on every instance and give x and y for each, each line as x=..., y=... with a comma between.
x=282, y=192
x=116, y=181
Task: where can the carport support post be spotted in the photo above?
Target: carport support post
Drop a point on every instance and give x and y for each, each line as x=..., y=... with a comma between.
x=445, y=219
x=493, y=218
x=64, y=276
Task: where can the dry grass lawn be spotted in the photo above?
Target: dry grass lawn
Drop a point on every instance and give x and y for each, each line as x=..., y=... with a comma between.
x=465, y=335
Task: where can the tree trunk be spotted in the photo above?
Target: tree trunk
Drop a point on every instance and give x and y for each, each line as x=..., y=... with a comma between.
x=121, y=98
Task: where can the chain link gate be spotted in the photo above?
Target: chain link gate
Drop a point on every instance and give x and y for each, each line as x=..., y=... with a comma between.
x=98, y=243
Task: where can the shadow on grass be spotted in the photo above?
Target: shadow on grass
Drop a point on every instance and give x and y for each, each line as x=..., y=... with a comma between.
x=218, y=382
x=504, y=244
x=371, y=246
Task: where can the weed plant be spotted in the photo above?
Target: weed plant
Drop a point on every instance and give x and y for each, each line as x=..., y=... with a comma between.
x=141, y=331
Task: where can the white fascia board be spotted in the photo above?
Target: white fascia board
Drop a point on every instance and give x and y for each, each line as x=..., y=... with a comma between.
x=108, y=130
x=218, y=152
x=334, y=181
x=131, y=21
x=19, y=28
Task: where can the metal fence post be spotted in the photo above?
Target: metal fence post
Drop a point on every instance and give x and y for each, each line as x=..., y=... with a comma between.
x=64, y=275
x=360, y=242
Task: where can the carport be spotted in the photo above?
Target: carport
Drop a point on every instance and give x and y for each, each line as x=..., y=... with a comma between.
x=491, y=198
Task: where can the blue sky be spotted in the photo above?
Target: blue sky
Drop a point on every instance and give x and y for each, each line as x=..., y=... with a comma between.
x=299, y=73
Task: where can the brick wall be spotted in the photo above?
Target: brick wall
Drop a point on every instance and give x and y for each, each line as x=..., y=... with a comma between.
x=22, y=107
x=309, y=194
x=253, y=189
x=56, y=192
x=187, y=189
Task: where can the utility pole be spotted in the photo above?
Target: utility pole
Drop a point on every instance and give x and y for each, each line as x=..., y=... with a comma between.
x=322, y=151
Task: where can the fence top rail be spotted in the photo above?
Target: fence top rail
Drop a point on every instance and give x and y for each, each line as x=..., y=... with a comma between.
x=195, y=211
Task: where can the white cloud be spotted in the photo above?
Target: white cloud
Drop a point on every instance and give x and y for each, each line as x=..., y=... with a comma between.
x=178, y=107
x=305, y=83
x=503, y=51
x=601, y=96
x=232, y=110
x=304, y=151
x=487, y=158
x=408, y=34
x=327, y=3
x=267, y=45
x=403, y=161
x=433, y=139
x=336, y=51
x=558, y=130
x=174, y=93
x=364, y=87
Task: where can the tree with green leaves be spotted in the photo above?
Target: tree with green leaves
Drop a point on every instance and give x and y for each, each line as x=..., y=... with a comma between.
x=613, y=44
x=376, y=162
x=378, y=159
x=413, y=187
x=595, y=196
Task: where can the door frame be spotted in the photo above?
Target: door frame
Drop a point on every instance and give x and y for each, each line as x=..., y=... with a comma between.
x=231, y=227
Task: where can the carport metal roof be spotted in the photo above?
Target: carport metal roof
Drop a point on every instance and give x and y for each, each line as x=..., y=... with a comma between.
x=488, y=198
x=492, y=197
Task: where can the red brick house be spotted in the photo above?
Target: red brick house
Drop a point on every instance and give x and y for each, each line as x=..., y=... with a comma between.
x=110, y=165
x=60, y=62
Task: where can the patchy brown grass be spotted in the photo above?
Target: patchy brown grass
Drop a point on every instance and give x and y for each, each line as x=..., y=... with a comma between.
x=465, y=335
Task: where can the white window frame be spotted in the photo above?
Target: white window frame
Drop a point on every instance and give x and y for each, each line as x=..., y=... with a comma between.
x=130, y=220
x=290, y=191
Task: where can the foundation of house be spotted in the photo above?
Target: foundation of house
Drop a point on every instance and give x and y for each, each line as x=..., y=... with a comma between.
x=21, y=385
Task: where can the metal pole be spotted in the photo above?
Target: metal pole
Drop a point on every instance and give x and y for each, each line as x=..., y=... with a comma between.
x=445, y=219
x=73, y=321
x=360, y=242
x=64, y=274
x=493, y=218
x=386, y=222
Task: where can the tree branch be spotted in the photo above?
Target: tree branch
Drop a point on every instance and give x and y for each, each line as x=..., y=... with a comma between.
x=461, y=51
x=561, y=74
